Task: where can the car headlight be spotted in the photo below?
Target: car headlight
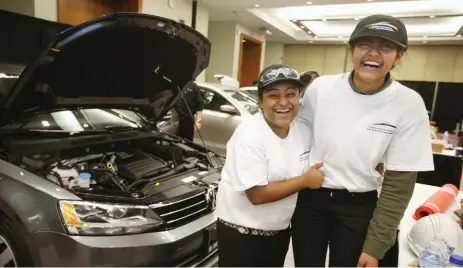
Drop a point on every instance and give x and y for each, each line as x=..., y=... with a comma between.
x=92, y=218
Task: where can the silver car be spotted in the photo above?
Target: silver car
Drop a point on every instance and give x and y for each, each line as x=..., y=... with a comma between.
x=251, y=90
x=224, y=109
x=86, y=178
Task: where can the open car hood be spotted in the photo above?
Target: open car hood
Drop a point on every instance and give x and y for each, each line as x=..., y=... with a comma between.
x=121, y=60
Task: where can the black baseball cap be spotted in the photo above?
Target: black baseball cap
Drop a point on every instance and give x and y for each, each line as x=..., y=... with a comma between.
x=278, y=73
x=383, y=26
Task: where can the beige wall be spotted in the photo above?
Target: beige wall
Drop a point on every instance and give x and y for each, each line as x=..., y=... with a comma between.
x=45, y=9
x=420, y=63
x=222, y=37
x=25, y=7
x=274, y=53
x=225, y=37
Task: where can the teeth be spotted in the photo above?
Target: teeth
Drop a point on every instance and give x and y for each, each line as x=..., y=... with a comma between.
x=371, y=63
x=282, y=111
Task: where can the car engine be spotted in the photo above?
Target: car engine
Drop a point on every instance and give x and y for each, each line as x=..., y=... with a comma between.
x=154, y=171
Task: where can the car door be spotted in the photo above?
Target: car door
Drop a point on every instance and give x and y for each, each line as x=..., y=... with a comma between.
x=217, y=126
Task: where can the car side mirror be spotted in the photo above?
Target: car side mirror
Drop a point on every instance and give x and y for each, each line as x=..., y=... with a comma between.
x=229, y=109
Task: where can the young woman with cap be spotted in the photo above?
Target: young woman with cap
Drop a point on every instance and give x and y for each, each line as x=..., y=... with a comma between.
x=358, y=118
x=266, y=165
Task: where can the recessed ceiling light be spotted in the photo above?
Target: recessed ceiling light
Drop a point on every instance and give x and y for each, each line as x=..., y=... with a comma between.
x=432, y=16
x=369, y=0
x=425, y=36
x=308, y=3
x=340, y=36
x=316, y=36
x=323, y=19
x=459, y=35
x=356, y=18
x=257, y=5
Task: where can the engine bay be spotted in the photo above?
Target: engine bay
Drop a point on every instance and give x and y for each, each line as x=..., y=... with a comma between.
x=124, y=170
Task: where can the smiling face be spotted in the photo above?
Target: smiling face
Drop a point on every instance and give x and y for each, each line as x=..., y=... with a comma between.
x=374, y=57
x=280, y=105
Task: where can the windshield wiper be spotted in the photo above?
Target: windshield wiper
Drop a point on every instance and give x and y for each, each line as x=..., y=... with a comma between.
x=112, y=129
x=107, y=130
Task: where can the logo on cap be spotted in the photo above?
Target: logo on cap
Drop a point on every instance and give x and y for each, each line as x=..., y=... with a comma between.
x=383, y=26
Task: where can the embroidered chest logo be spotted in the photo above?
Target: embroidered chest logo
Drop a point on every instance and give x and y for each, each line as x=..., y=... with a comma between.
x=304, y=156
x=385, y=128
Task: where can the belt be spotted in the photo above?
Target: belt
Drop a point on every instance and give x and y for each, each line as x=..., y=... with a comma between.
x=250, y=231
x=343, y=194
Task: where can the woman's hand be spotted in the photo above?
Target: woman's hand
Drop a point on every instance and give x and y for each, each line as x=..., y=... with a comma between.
x=366, y=260
x=197, y=126
x=380, y=168
x=314, y=177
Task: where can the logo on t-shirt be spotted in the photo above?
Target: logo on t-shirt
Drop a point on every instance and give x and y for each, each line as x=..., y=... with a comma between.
x=386, y=128
x=304, y=156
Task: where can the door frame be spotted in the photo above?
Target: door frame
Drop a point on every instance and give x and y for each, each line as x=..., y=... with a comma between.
x=248, y=38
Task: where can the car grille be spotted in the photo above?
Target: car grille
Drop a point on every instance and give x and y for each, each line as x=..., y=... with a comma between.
x=182, y=211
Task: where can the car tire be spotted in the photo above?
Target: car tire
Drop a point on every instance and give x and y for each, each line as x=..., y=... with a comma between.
x=14, y=243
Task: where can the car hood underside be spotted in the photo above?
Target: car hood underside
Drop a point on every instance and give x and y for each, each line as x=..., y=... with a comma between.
x=121, y=60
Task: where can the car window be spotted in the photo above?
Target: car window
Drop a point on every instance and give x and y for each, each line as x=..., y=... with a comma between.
x=213, y=100
x=245, y=99
x=81, y=120
x=253, y=93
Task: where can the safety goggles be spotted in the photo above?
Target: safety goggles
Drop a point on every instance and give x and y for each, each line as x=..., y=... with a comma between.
x=283, y=72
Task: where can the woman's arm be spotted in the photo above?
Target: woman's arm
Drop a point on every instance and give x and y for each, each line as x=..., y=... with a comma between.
x=409, y=152
x=275, y=191
x=396, y=192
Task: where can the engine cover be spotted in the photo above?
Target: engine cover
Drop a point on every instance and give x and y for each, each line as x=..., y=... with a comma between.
x=134, y=166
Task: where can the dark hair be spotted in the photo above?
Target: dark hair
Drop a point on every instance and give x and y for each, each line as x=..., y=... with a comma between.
x=308, y=77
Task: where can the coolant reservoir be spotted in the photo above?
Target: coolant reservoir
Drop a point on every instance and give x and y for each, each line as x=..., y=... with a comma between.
x=66, y=175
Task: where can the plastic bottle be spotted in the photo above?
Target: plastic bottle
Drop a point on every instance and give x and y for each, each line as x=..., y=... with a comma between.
x=446, y=139
x=455, y=261
x=435, y=254
x=82, y=181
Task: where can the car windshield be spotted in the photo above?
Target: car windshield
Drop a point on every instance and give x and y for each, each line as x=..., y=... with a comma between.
x=245, y=99
x=81, y=120
x=252, y=92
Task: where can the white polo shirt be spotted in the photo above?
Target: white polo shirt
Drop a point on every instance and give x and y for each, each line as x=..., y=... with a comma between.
x=353, y=132
x=257, y=156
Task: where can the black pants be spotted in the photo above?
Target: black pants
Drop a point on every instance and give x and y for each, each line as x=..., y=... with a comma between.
x=186, y=128
x=334, y=217
x=243, y=250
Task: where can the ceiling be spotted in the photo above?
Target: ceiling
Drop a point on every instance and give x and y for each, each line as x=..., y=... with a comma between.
x=332, y=21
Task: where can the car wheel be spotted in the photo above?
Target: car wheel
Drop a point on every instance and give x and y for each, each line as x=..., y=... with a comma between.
x=11, y=244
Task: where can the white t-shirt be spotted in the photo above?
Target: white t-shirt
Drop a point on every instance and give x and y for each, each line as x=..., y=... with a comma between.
x=257, y=156
x=353, y=132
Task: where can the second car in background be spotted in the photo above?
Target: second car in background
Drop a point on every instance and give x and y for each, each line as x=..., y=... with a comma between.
x=224, y=108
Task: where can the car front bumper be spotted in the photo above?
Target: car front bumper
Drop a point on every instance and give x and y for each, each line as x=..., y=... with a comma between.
x=190, y=245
